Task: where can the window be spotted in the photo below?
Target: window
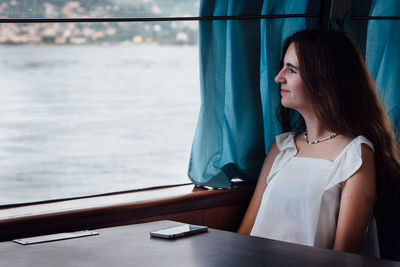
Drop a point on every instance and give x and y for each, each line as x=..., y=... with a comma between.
x=95, y=107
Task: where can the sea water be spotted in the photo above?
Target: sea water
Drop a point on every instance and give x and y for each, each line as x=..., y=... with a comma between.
x=92, y=119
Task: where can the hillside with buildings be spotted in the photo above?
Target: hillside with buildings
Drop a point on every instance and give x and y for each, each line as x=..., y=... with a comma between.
x=170, y=32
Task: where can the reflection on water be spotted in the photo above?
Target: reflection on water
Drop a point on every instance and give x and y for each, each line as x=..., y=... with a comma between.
x=80, y=120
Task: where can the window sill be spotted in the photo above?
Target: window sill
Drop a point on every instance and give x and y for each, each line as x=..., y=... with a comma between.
x=221, y=209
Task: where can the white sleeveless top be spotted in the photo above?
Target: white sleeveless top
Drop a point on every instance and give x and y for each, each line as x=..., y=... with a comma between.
x=301, y=201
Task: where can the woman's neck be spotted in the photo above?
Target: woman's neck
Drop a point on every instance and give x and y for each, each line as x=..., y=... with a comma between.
x=315, y=129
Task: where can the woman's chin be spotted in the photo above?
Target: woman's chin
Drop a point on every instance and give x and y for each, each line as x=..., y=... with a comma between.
x=286, y=104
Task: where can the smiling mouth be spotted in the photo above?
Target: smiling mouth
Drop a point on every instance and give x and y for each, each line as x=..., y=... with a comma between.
x=284, y=91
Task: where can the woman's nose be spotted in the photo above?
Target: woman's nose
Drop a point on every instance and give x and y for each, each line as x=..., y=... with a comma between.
x=279, y=78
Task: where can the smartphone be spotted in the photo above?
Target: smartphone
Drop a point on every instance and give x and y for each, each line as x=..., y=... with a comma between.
x=179, y=231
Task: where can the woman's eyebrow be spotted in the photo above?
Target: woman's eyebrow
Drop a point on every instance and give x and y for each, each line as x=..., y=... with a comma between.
x=292, y=66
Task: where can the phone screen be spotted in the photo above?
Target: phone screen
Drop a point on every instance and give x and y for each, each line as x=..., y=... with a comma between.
x=179, y=231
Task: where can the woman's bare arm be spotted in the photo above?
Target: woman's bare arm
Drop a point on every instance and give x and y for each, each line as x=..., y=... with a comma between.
x=356, y=204
x=252, y=210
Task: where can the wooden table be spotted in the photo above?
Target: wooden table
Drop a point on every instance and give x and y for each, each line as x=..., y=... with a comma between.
x=132, y=246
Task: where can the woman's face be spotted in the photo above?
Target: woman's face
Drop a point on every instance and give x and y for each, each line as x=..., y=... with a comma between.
x=293, y=90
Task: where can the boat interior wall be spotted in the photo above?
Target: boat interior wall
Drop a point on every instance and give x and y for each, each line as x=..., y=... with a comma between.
x=220, y=209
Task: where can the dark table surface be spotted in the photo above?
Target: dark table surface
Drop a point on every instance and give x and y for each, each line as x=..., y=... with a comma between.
x=132, y=246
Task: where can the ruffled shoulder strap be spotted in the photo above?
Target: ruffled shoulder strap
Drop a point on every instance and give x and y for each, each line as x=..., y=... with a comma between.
x=285, y=140
x=348, y=162
x=286, y=145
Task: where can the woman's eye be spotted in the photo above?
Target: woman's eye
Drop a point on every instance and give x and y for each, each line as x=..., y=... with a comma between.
x=292, y=71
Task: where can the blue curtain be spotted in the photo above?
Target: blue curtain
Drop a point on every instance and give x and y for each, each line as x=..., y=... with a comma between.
x=383, y=55
x=238, y=62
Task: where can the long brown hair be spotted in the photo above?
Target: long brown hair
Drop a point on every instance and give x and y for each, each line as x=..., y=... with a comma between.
x=344, y=99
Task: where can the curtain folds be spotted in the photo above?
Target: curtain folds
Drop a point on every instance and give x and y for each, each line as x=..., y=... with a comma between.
x=383, y=55
x=228, y=140
x=238, y=62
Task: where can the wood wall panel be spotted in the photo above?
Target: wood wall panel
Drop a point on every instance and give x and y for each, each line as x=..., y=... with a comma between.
x=224, y=218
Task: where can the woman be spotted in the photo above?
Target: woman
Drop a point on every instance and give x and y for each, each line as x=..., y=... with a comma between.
x=320, y=179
